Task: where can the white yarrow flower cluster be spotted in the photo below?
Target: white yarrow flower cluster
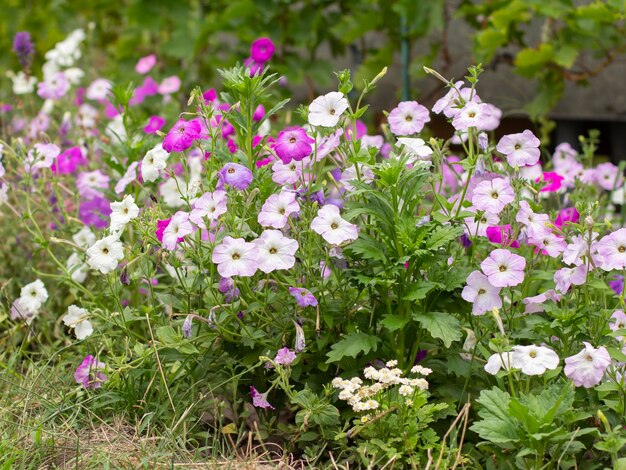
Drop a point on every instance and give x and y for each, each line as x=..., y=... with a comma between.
x=366, y=397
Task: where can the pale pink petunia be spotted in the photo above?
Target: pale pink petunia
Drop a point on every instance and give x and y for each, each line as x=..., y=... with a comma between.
x=474, y=227
x=612, y=250
x=493, y=196
x=481, y=293
x=587, y=368
x=566, y=277
x=520, y=149
x=275, y=251
x=145, y=64
x=548, y=244
x=288, y=173
x=581, y=248
x=503, y=268
x=277, y=209
x=409, y=117
x=179, y=227
x=332, y=227
x=211, y=205
x=169, y=85
x=535, y=304
x=127, y=178
x=235, y=257
x=618, y=318
x=608, y=176
x=535, y=223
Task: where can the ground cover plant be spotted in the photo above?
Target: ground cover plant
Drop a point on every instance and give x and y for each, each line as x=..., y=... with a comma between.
x=235, y=275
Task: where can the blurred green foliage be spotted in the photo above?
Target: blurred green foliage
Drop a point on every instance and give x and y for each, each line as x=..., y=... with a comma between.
x=547, y=41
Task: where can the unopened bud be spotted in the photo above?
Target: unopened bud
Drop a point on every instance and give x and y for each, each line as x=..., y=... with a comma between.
x=589, y=221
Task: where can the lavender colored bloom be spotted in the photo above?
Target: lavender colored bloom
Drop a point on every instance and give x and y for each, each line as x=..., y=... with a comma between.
x=293, y=143
x=262, y=50
x=481, y=293
x=95, y=212
x=408, y=118
x=23, y=48
x=520, y=149
x=235, y=175
x=503, y=268
x=182, y=135
x=227, y=287
x=124, y=278
x=88, y=373
x=618, y=322
x=617, y=284
x=187, y=324
x=259, y=399
x=587, y=367
x=285, y=357
x=303, y=297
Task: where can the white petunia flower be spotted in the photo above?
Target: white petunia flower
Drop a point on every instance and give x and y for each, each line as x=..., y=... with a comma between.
x=325, y=110
x=77, y=268
x=105, y=254
x=534, y=360
x=32, y=296
x=78, y=319
x=84, y=238
x=154, y=161
x=123, y=212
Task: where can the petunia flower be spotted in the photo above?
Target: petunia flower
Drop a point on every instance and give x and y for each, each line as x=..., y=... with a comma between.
x=566, y=277
x=493, y=196
x=326, y=110
x=332, y=227
x=503, y=268
x=259, y=400
x=285, y=357
x=105, y=254
x=277, y=208
x=178, y=228
x=89, y=374
x=534, y=360
x=293, y=143
x=78, y=319
x=612, y=250
x=587, y=368
x=409, y=117
x=123, y=212
x=304, y=297
x=210, y=206
x=235, y=257
x=520, y=149
x=275, y=251
x=618, y=318
x=262, y=50
x=145, y=64
x=481, y=294
x=498, y=361
x=182, y=135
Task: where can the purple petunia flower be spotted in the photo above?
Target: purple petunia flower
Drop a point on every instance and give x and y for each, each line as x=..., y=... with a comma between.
x=235, y=175
x=285, y=357
x=182, y=135
x=95, y=212
x=88, y=373
x=617, y=284
x=303, y=297
x=259, y=399
x=23, y=48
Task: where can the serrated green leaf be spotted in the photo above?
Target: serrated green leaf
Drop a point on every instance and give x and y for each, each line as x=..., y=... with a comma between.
x=440, y=325
x=352, y=345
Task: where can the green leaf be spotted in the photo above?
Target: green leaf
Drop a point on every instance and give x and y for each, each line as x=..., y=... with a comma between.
x=394, y=322
x=496, y=424
x=352, y=345
x=440, y=325
x=566, y=56
x=420, y=290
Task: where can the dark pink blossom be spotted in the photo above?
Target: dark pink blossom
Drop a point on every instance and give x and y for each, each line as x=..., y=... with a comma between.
x=293, y=143
x=552, y=181
x=155, y=123
x=68, y=161
x=569, y=214
x=88, y=373
x=262, y=50
x=501, y=234
x=182, y=135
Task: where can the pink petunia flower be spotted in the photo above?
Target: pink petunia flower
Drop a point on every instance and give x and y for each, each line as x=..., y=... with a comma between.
x=501, y=235
x=90, y=183
x=566, y=277
x=569, y=214
x=409, y=117
x=275, y=251
x=262, y=50
x=169, y=85
x=277, y=209
x=503, y=268
x=580, y=249
x=553, y=182
x=618, y=323
x=145, y=64
x=68, y=161
x=535, y=304
x=587, y=368
x=285, y=357
x=492, y=196
x=548, y=243
x=481, y=293
x=293, y=143
x=259, y=400
x=332, y=227
x=612, y=250
x=155, y=123
x=178, y=227
x=235, y=257
x=54, y=87
x=41, y=156
x=288, y=173
x=535, y=223
x=608, y=176
x=520, y=149
x=478, y=227
x=304, y=297
x=182, y=135
x=88, y=373
x=210, y=206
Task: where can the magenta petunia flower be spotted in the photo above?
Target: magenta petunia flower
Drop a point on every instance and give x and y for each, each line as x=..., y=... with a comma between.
x=293, y=143
x=552, y=181
x=587, y=368
x=145, y=64
x=182, y=135
x=520, y=149
x=235, y=257
x=304, y=297
x=235, y=175
x=255, y=67
x=68, y=161
x=259, y=400
x=501, y=235
x=569, y=214
x=89, y=374
x=259, y=113
x=262, y=50
x=481, y=293
x=155, y=123
x=493, y=196
x=503, y=268
x=409, y=117
x=285, y=357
